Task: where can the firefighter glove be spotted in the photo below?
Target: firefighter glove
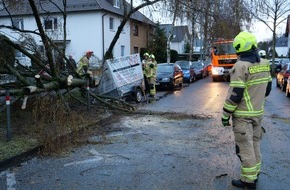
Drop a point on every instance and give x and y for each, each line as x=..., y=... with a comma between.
x=226, y=121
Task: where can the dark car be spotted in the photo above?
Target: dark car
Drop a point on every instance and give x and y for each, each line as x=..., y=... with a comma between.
x=278, y=65
x=199, y=69
x=188, y=71
x=169, y=75
x=282, y=77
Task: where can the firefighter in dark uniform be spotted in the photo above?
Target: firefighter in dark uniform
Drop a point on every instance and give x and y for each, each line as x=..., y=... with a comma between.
x=250, y=85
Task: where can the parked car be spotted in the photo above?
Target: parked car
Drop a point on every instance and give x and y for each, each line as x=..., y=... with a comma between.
x=169, y=75
x=283, y=61
x=282, y=77
x=199, y=69
x=278, y=65
x=207, y=67
x=288, y=87
x=188, y=71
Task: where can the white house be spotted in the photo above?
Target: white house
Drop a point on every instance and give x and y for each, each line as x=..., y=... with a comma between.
x=281, y=46
x=91, y=25
x=180, y=38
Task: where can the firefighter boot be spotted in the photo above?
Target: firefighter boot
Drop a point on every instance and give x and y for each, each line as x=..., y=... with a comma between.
x=256, y=180
x=240, y=184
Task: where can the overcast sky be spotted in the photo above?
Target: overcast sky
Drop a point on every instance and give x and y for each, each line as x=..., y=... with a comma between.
x=261, y=31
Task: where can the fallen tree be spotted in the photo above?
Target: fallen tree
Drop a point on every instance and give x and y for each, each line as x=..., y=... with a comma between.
x=28, y=80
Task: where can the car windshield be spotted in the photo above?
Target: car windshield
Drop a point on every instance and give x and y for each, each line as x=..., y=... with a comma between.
x=164, y=68
x=183, y=64
x=224, y=49
x=197, y=65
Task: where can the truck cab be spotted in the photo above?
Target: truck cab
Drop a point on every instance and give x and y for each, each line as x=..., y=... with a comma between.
x=223, y=58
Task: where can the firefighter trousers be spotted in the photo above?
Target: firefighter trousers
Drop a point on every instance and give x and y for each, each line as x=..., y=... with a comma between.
x=151, y=84
x=248, y=133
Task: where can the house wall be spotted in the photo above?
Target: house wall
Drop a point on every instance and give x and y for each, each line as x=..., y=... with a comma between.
x=144, y=34
x=178, y=46
x=282, y=51
x=84, y=32
x=29, y=24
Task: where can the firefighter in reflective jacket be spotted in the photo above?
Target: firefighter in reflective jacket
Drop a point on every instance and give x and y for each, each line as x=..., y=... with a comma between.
x=250, y=85
x=150, y=69
x=145, y=70
x=83, y=64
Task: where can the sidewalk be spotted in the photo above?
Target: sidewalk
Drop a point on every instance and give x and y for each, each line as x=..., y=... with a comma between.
x=21, y=146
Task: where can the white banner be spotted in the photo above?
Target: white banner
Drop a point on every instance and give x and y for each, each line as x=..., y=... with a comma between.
x=120, y=72
x=126, y=70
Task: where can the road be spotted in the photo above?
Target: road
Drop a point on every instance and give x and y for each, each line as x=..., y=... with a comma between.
x=178, y=143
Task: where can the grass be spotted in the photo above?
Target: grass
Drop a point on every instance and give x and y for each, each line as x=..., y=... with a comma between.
x=17, y=146
x=46, y=122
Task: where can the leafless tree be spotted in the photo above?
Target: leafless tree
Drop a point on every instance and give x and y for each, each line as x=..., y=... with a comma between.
x=58, y=80
x=210, y=20
x=272, y=13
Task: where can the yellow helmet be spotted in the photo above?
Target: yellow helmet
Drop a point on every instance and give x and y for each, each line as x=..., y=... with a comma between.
x=152, y=56
x=146, y=54
x=244, y=41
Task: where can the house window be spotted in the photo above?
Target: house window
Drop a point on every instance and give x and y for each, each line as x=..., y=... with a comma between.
x=136, y=49
x=50, y=24
x=135, y=30
x=122, y=50
x=18, y=23
x=116, y=3
x=111, y=23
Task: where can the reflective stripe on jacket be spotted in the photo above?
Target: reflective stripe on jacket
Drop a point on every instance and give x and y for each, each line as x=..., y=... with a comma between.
x=253, y=78
x=84, y=62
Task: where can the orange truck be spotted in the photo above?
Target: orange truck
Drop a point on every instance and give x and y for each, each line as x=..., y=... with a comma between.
x=223, y=58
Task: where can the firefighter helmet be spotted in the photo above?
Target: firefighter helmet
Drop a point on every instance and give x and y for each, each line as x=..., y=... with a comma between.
x=152, y=56
x=146, y=54
x=262, y=53
x=244, y=41
x=89, y=52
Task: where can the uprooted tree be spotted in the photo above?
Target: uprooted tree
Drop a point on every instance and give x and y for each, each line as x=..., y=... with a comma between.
x=29, y=81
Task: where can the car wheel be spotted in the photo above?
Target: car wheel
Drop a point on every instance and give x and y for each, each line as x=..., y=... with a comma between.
x=138, y=95
x=283, y=85
x=287, y=92
x=277, y=84
x=171, y=87
x=194, y=79
x=180, y=85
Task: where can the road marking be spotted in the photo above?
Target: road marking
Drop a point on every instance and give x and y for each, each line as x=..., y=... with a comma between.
x=10, y=179
x=84, y=161
x=95, y=153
